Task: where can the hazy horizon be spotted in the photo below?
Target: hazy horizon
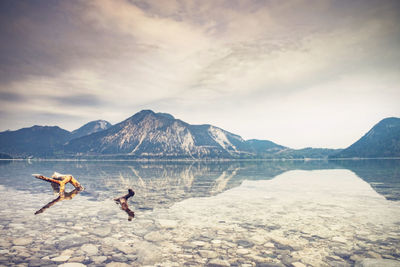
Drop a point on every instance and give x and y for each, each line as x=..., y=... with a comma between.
x=298, y=73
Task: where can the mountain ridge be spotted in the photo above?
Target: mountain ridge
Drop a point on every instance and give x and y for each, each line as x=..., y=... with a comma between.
x=151, y=135
x=381, y=141
x=90, y=127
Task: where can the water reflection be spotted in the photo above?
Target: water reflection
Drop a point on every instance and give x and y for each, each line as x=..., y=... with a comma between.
x=123, y=201
x=182, y=180
x=61, y=197
x=317, y=218
x=293, y=213
x=382, y=175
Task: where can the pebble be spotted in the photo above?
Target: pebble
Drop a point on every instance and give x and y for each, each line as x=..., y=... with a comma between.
x=218, y=263
x=242, y=251
x=40, y=262
x=199, y=243
x=22, y=241
x=99, y=259
x=102, y=231
x=245, y=243
x=110, y=241
x=72, y=264
x=67, y=252
x=125, y=248
x=77, y=259
x=257, y=239
x=298, y=264
x=356, y=258
x=373, y=254
x=377, y=263
x=167, y=223
x=154, y=237
x=90, y=249
x=208, y=254
x=72, y=241
x=339, y=239
x=269, y=245
x=61, y=258
x=117, y=264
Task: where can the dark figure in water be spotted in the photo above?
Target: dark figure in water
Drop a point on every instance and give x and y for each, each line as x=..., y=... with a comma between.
x=123, y=201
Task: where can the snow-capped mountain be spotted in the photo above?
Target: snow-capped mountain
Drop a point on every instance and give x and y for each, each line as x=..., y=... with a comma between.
x=150, y=134
x=90, y=127
x=144, y=135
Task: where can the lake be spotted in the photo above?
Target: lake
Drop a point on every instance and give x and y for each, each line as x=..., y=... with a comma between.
x=236, y=213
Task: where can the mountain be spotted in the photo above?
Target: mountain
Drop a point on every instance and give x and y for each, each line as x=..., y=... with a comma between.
x=159, y=135
x=150, y=134
x=382, y=141
x=90, y=127
x=41, y=141
x=264, y=146
x=307, y=153
x=144, y=135
x=5, y=156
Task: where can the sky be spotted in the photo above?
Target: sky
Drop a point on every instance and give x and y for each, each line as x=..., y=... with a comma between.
x=300, y=73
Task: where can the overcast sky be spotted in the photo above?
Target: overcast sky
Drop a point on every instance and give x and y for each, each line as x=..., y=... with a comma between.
x=299, y=73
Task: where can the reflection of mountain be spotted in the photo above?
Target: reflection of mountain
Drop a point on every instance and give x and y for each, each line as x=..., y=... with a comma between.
x=382, y=175
x=164, y=183
x=156, y=183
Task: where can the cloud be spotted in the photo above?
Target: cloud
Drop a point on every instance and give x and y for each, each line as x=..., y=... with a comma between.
x=246, y=66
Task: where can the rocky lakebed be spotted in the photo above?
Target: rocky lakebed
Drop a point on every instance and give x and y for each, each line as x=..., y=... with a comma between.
x=299, y=218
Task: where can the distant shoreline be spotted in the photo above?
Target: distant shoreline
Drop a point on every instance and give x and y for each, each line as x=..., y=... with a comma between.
x=199, y=160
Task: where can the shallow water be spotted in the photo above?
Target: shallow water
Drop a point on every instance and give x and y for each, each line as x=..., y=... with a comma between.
x=290, y=213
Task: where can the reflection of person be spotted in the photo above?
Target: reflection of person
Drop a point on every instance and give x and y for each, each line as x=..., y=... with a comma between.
x=61, y=197
x=124, y=204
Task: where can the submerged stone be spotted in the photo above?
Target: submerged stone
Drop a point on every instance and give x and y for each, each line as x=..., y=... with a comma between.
x=39, y=262
x=22, y=241
x=245, y=243
x=72, y=264
x=72, y=242
x=154, y=236
x=99, y=259
x=209, y=254
x=167, y=223
x=117, y=264
x=377, y=263
x=218, y=263
x=89, y=249
x=298, y=264
x=61, y=258
x=102, y=231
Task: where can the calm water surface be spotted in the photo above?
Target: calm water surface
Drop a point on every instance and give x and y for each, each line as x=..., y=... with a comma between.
x=284, y=213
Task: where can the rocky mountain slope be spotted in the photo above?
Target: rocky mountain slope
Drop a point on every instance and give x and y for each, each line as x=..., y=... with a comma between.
x=159, y=135
x=150, y=134
x=382, y=141
x=39, y=141
x=90, y=127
